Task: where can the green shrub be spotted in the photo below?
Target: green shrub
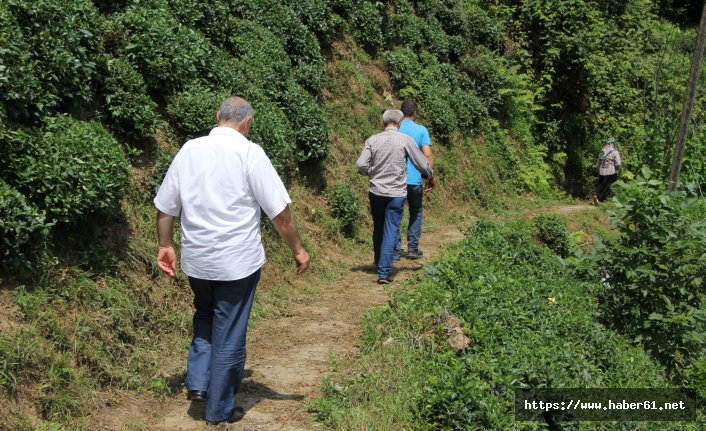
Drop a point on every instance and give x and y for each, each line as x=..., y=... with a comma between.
x=129, y=108
x=655, y=271
x=485, y=77
x=262, y=60
x=271, y=130
x=193, y=111
x=437, y=40
x=48, y=54
x=308, y=121
x=317, y=17
x=23, y=229
x=481, y=28
x=436, y=108
x=367, y=24
x=468, y=108
x=298, y=41
x=168, y=55
x=552, y=232
x=69, y=170
x=404, y=68
x=346, y=207
x=407, y=29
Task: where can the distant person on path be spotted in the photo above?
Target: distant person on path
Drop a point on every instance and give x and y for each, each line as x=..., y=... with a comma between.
x=609, y=161
x=218, y=185
x=415, y=190
x=384, y=160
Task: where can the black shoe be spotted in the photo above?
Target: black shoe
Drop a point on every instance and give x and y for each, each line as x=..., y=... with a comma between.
x=385, y=280
x=237, y=415
x=197, y=395
x=414, y=254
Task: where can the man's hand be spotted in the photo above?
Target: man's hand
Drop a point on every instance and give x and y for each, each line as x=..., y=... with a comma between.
x=302, y=260
x=166, y=260
x=429, y=184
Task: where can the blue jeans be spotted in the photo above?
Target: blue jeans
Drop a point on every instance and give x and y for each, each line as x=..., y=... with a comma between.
x=414, y=228
x=216, y=360
x=387, y=215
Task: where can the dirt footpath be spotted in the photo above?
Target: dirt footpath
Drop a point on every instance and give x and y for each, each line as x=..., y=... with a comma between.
x=288, y=356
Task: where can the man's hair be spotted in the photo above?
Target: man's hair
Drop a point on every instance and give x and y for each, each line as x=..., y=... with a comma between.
x=392, y=116
x=409, y=107
x=235, y=110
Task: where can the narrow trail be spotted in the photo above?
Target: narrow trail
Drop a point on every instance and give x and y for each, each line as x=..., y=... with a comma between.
x=288, y=356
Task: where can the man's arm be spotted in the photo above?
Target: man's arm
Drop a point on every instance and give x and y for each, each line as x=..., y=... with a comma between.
x=166, y=257
x=431, y=182
x=363, y=162
x=418, y=159
x=284, y=223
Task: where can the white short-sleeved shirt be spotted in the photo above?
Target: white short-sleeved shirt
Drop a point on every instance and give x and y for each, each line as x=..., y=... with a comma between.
x=217, y=185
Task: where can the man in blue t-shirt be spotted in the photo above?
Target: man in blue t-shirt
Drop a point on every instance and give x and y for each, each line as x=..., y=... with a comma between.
x=415, y=188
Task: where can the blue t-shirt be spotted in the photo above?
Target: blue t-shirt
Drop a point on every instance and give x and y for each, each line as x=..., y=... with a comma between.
x=420, y=134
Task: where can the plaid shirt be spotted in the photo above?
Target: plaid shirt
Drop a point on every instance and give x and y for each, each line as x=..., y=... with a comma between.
x=384, y=160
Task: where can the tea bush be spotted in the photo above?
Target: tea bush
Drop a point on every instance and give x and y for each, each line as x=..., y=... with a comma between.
x=69, y=169
x=23, y=229
x=316, y=15
x=552, y=232
x=655, y=271
x=262, y=59
x=404, y=68
x=367, y=24
x=531, y=324
x=308, y=121
x=193, y=111
x=130, y=110
x=437, y=40
x=406, y=29
x=469, y=110
x=168, y=55
x=50, y=52
x=346, y=207
x=271, y=130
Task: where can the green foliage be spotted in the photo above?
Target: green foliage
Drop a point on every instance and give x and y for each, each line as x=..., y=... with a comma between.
x=407, y=30
x=271, y=129
x=317, y=16
x=23, y=229
x=48, y=51
x=262, y=59
x=130, y=110
x=70, y=169
x=309, y=123
x=193, y=111
x=367, y=24
x=169, y=55
x=655, y=271
x=404, y=68
x=552, y=232
x=20, y=357
x=530, y=323
x=346, y=207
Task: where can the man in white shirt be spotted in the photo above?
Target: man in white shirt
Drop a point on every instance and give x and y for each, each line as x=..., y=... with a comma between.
x=217, y=185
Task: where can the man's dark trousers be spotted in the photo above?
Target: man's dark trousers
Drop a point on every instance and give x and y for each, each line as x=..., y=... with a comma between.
x=387, y=215
x=216, y=361
x=604, y=183
x=415, y=194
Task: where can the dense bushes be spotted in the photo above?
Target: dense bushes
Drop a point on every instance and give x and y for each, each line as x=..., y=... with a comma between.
x=130, y=110
x=346, y=207
x=308, y=123
x=530, y=325
x=552, y=232
x=48, y=50
x=168, y=55
x=193, y=111
x=23, y=230
x=70, y=169
x=655, y=271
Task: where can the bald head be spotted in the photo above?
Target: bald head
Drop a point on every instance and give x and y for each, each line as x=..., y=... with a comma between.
x=234, y=110
x=236, y=113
